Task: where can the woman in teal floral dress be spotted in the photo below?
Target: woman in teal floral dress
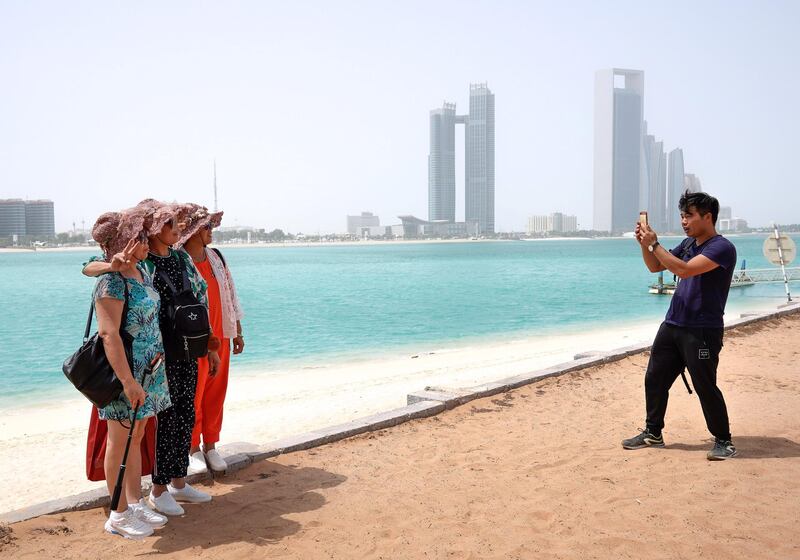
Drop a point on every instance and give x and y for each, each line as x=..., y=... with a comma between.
x=115, y=232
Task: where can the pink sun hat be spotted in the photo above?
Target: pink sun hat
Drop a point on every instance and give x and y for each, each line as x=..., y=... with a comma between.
x=113, y=230
x=199, y=217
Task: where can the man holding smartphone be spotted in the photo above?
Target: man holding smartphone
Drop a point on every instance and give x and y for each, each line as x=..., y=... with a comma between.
x=691, y=335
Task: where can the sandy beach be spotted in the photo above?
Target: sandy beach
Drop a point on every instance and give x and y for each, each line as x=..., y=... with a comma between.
x=534, y=473
x=263, y=406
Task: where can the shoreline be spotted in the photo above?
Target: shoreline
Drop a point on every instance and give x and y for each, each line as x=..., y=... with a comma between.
x=366, y=242
x=335, y=393
x=556, y=342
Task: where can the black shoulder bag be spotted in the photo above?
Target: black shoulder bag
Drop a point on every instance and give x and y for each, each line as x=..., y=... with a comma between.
x=88, y=368
x=187, y=330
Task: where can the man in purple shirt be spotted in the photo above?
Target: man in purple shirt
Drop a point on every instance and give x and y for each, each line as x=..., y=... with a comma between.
x=691, y=335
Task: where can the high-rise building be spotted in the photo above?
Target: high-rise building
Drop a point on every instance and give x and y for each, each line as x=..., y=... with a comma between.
x=12, y=217
x=618, y=129
x=653, y=186
x=39, y=218
x=725, y=213
x=691, y=182
x=674, y=190
x=442, y=164
x=479, y=160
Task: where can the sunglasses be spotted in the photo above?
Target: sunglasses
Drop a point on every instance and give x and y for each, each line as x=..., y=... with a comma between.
x=142, y=237
x=208, y=227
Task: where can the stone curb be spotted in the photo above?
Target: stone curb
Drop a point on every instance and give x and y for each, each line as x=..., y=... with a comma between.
x=241, y=454
x=421, y=404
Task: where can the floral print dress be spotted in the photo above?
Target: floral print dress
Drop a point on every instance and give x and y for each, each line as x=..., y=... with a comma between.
x=142, y=324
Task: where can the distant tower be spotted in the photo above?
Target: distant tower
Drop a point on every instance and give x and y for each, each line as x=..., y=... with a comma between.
x=675, y=189
x=618, y=147
x=442, y=164
x=479, y=160
x=215, y=186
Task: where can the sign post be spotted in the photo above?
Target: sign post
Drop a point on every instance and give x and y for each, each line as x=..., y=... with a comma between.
x=781, y=250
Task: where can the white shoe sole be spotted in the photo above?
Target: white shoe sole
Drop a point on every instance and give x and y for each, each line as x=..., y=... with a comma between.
x=152, y=505
x=111, y=530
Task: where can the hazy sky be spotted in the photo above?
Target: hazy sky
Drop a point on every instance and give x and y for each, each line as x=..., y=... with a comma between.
x=316, y=110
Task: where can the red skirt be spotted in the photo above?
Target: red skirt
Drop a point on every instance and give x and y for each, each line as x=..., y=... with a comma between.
x=96, y=447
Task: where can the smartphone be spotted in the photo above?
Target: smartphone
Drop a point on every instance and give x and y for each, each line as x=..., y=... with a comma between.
x=643, y=217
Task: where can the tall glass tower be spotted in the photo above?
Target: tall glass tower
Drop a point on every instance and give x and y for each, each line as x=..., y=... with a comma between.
x=479, y=161
x=618, y=129
x=675, y=190
x=442, y=164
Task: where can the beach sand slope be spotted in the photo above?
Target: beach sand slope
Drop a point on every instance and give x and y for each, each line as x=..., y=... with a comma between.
x=534, y=473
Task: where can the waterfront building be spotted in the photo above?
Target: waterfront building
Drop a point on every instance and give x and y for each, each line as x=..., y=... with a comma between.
x=553, y=223
x=12, y=217
x=479, y=195
x=653, y=185
x=39, y=218
x=691, y=182
x=731, y=225
x=618, y=152
x=674, y=190
x=355, y=224
x=479, y=160
x=442, y=164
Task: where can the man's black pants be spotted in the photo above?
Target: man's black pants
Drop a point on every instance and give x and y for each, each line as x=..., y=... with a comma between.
x=696, y=349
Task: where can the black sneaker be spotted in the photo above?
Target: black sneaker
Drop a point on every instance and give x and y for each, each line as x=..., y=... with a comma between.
x=645, y=439
x=723, y=449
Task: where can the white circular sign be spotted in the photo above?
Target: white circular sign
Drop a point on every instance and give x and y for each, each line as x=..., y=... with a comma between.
x=788, y=249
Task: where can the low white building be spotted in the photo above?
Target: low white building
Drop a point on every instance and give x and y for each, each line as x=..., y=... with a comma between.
x=554, y=223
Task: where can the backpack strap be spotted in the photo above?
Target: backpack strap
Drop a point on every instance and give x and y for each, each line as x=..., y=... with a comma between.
x=685, y=244
x=184, y=277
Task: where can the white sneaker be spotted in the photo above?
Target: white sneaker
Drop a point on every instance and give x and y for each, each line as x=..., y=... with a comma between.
x=197, y=463
x=215, y=461
x=188, y=494
x=128, y=525
x=165, y=503
x=147, y=515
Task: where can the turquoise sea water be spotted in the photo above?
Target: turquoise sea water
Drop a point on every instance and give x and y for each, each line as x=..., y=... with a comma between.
x=307, y=305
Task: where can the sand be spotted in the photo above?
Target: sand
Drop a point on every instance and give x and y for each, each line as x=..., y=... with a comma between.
x=263, y=406
x=534, y=473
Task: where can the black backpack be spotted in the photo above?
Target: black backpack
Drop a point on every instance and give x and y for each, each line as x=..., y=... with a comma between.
x=187, y=330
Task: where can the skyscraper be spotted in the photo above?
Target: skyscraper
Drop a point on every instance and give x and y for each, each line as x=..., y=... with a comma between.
x=655, y=197
x=674, y=190
x=479, y=160
x=442, y=164
x=618, y=129
x=692, y=182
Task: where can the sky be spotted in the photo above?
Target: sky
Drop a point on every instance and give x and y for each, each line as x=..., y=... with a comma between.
x=316, y=110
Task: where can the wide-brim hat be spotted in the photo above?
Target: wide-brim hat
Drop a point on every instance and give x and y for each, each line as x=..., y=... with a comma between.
x=113, y=230
x=199, y=218
x=158, y=214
